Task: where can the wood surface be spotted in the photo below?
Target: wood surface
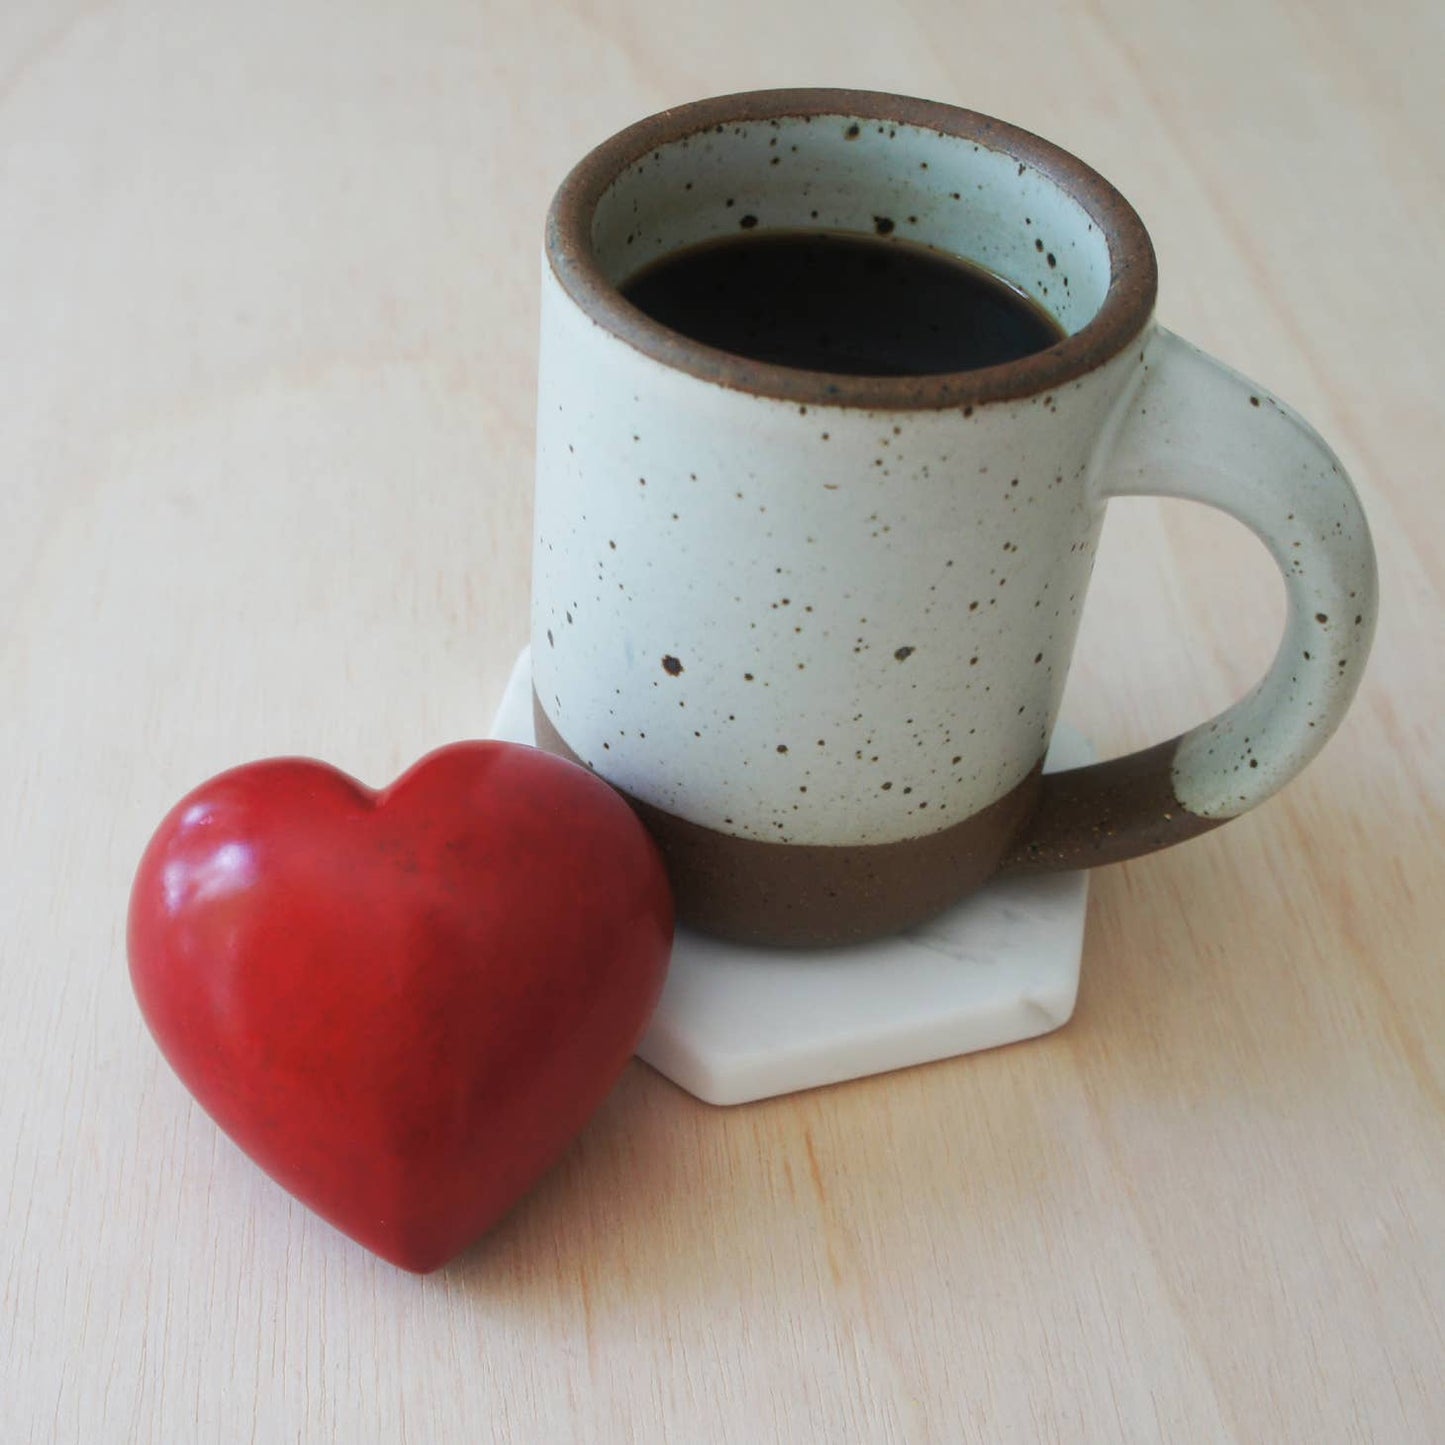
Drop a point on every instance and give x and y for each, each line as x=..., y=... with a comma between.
x=268, y=281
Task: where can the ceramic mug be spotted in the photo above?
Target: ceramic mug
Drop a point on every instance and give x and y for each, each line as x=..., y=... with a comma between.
x=816, y=627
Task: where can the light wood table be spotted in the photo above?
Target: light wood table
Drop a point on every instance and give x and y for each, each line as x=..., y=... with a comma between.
x=267, y=338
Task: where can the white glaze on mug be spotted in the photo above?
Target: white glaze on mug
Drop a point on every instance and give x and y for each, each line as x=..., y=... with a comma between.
x=804, y=624
x=814, y=624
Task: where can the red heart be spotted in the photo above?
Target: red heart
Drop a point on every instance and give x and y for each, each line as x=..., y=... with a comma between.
x=402, y=1005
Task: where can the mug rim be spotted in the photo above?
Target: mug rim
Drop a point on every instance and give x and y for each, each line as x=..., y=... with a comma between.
x=1123, y=315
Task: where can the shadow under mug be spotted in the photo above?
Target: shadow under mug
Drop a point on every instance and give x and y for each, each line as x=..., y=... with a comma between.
x=816, y=627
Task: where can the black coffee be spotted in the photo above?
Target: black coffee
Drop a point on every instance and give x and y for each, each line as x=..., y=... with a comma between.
x=829, y=301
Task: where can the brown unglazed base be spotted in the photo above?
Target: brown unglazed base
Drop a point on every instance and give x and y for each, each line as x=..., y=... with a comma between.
x=808, y=895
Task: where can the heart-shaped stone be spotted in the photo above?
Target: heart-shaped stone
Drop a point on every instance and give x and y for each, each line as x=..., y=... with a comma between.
x=402, y=1005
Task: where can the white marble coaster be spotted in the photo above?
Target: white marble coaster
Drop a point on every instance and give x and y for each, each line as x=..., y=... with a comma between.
x=736, y=1024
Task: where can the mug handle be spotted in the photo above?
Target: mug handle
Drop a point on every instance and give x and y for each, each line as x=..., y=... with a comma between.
x=1196, y=429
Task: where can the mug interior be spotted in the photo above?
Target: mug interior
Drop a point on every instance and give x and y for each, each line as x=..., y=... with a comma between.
x=865, y=164
x=838, y=173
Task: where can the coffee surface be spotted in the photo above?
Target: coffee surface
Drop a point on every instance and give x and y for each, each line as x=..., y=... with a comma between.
x=834, y=301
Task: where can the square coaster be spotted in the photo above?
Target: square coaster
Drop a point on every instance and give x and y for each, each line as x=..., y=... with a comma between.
x=736, y=1023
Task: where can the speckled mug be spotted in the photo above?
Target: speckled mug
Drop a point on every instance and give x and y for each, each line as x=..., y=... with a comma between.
x=816, y=627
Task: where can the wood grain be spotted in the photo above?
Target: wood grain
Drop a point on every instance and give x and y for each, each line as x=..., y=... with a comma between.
x=268, y=282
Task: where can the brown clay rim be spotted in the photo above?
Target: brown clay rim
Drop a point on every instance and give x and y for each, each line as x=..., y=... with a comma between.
x=1125, y=312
